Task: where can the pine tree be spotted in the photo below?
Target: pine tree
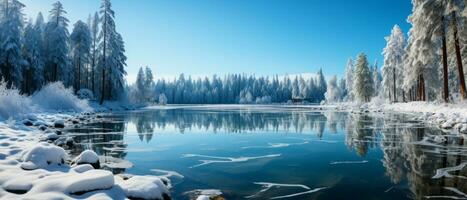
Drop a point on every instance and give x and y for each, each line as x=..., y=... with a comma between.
x=32, y=53
x=394, y=55
x=363, y=85
x=112, y=58
x=349, y=79
x=56, y=38
x=11, y=61
x=81, y=47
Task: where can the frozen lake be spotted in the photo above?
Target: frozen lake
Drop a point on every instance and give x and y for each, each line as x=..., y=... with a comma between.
x=273, y=152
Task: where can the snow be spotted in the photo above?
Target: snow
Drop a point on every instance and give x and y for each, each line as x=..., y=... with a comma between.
x=143, y=187
x=42, y=155
x=87, y=157
x=30, y=169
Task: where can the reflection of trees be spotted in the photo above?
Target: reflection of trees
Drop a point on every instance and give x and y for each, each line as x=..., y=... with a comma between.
x=361, y=134
x=406, y=157
x=228, y=121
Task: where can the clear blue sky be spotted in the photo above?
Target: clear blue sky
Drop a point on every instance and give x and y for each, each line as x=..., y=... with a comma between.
x=262, y=37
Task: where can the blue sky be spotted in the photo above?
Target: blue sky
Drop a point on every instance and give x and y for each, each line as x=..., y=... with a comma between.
x=262, y=37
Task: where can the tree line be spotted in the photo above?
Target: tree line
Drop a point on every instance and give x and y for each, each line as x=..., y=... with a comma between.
x=36, y=52
x=229, y=89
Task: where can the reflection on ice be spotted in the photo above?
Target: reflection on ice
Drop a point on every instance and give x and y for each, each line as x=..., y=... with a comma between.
x=218, y=159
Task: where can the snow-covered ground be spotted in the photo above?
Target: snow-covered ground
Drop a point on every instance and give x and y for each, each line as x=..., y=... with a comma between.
x=34, y=166
x=447, y=116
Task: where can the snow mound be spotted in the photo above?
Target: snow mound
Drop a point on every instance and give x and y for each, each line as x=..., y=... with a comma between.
x=87, y=157
x=42, y=155
x=55, y=96
x=144, y=187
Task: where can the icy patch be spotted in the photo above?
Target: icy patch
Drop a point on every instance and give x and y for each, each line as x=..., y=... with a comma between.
x=42, y=155
x=267, y=186
x=348, y=162
x=218, y=159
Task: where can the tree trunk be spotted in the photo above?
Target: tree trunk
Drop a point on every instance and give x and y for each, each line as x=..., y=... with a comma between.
x=459, y=58
x=394, y=84
x=102, y=87
x=55, y=72
x=79, y=75
x=445, y=66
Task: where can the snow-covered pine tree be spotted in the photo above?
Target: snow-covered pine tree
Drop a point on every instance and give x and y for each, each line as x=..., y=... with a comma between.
x=140, y=85
x=363, y=83
x=11, y=61
x=148, y=84
x=112, y=58
x=56, y=38
x=423, y=59
x=333, y=93
x=322, y=86
x=80, y=46
x=349, y=79
x=377, y=78
x=33, y=71
x=393, y=72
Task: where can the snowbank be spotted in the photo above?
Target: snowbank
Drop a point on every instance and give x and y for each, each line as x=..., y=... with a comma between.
x=52, y=97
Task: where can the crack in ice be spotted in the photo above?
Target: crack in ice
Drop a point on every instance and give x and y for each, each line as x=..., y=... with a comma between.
x=219, y=159
x=267, y=186
x=348, y=162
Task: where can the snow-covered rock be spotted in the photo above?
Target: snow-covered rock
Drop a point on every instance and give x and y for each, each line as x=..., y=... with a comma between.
x=144, y=187
x=87, y=157
x=59, y=123
x=42, y=155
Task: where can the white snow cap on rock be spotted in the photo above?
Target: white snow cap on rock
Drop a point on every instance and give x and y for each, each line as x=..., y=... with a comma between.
x=42, y=155
x=87, y=157
x=143, y=187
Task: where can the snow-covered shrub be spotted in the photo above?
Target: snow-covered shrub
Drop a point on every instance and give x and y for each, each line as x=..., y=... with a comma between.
x=263, y=100
x=55, y=96
x=162, y=99
x=85, y=94
x=13, y=104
